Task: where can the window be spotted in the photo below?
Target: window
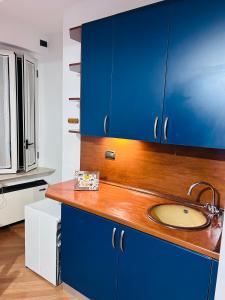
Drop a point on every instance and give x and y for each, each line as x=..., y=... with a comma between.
x=18, y=115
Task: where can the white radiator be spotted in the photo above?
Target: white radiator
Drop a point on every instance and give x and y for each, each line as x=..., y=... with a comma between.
x=14, y=198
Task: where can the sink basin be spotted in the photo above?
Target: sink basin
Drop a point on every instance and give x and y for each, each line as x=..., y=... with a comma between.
x=179, y=216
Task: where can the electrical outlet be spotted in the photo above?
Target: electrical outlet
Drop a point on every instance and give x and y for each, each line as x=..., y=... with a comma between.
x=110, y=154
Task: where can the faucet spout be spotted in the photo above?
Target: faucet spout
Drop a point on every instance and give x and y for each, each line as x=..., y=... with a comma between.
x=212, y=208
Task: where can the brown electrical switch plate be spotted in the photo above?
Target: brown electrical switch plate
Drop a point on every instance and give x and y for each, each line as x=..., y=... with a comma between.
x=110, y=154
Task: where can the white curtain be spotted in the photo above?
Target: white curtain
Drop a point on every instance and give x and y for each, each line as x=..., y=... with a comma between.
x=5, y=146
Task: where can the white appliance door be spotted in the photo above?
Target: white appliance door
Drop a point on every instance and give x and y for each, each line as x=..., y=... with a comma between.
x=8, y=121
x=30, y=107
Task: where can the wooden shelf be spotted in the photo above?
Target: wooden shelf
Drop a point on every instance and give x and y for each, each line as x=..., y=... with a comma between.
x=73, y=120
x=75, y=67
x=74, y=131
x=74, y=99
x=75, y=33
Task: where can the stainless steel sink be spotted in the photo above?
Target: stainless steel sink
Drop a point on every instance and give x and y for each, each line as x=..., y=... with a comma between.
x=179, y=216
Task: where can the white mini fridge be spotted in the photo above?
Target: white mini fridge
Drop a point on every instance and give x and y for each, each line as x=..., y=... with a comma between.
x=43, y=239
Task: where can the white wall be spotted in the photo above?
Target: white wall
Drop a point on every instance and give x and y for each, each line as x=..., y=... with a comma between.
x=16, y=33
x=80, y=13
x=50, y=108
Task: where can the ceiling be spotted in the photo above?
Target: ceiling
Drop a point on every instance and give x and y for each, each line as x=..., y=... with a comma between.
x=45, y=15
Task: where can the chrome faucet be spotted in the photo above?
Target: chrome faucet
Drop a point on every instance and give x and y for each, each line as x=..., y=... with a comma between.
x=212, y=208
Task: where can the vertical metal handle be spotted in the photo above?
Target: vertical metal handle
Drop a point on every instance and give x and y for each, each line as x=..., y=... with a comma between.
x=155, y=127
x=27, y=144
x=165, y=128
x=105, y=124
x=113, y=237
x=121, y=240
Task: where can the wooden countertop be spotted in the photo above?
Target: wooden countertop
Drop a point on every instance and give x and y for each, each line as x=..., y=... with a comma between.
x=130, y=208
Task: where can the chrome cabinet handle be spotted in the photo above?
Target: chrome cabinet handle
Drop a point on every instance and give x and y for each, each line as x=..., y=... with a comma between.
x=113, y=237
x=165, y=128
x=121, y=240
x=105, y=124
x=155, y=127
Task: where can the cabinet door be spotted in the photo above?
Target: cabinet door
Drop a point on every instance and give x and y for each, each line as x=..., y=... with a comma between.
x=213, y=280
x=96, y=77
x=139, y=65
x=195, y=93
x=152, y=269
x=89, y=261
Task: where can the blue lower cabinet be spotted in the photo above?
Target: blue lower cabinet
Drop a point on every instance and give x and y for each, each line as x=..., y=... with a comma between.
x=212, y=290
x=150, y=268
x=104, y=260
x=88, y=258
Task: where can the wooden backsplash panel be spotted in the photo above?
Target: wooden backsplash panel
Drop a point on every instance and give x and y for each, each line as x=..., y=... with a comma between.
x=161, y=168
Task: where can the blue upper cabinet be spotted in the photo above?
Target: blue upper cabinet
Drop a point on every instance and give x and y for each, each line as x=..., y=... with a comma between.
x=150, y=268
x=157, y=74
x=139, y=62
x=194, y=110
x=96, y=77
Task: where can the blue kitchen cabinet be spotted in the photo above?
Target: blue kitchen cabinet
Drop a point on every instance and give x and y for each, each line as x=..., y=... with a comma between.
x=89, y=261
x=150, y=268
x=139, y=266
x=194, y=108
x=156, y=74
x=96, y=70
x=214, y=273
x=140, y=40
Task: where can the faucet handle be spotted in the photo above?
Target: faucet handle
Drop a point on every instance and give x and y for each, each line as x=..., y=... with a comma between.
x=213, y=209
x=207, y=206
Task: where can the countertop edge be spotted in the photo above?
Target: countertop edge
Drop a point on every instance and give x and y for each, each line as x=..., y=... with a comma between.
x=168, y=238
